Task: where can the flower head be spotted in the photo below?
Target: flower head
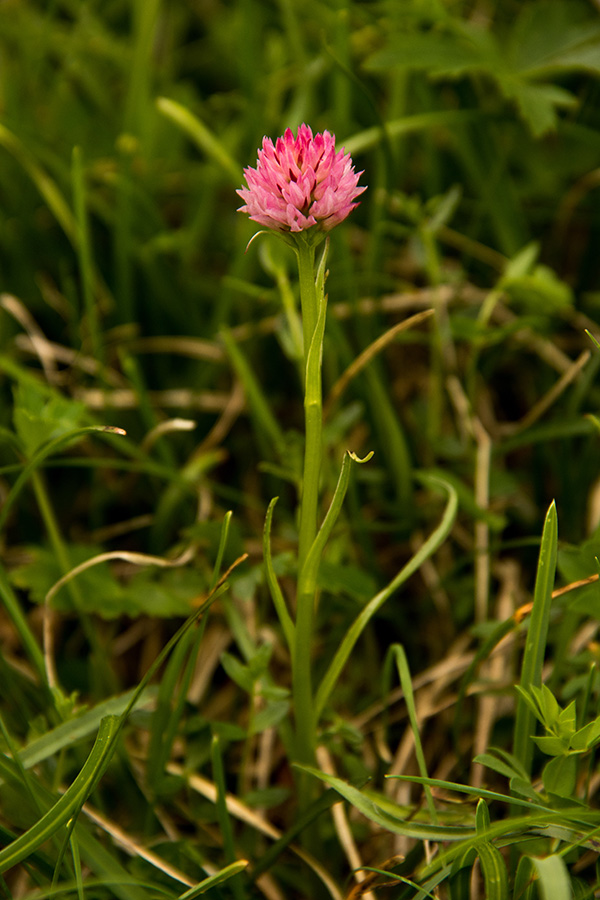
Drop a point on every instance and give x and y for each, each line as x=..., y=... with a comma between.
x=300, y=182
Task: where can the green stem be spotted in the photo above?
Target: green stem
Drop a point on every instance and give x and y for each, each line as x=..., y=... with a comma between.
x=312, y=404
x=313, y=417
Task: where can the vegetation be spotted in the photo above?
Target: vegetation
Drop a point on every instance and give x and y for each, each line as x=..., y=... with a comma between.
x=151, y=377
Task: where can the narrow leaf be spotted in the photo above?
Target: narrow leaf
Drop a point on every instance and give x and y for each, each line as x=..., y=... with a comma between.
x=553, y=878
x=494, y=871
x=218, y=878
x=202, y=136
x=352, y=635
x=277, y=597
x=535, y=645
x=70, y=802
x=375, y=813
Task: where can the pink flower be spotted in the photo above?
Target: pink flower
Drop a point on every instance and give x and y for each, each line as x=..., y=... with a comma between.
x=300, y=182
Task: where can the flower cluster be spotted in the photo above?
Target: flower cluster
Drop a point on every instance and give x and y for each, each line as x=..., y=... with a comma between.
x=300, y=182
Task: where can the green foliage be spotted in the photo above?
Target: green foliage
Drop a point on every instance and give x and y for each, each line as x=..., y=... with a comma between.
x=162, y=593
x=38, y=419
x=563, y=740
x=131, y=301
x=547, y=39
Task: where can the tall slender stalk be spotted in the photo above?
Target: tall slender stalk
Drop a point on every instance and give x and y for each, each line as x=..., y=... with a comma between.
x=312, y=403
x=313, y=420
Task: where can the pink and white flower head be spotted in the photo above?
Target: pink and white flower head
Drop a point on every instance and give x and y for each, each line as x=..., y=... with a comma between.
x=300, y=183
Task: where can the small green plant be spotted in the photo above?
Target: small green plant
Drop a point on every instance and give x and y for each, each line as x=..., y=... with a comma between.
x=563, y=741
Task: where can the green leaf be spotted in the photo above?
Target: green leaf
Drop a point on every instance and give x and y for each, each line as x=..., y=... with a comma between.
x=535, y=645
x=228, y=731
x=42, y=571
x=273, y=691
x=461, y=874
x=479, y=793
x=346, y=580
x=567, y=720
x=212, y=881
x=553, y=878
x=539, y=291
x=441, y=53
x=523, y=788
x=277, y=597
x=530, y=699
x=482, y=817
x=223, y=815
x=494, y=871
x=587, y=736
x=352, y=635
x=552, y=746
x=524, y=880
x=267, y=797
x=521, y=264
x=270, y=716
x=552, y=35
x=560, y=776
x=258, y=663
x=366, y=805
x=576, y=562
x=164, y=593
x=407, y=690
x=39, y=419
x=537, y=103
x=267, y=424
x=70, y=802
x=548, y=704
x=238, y=672
x=78, y=728
x=508, y=769
x=46, y=186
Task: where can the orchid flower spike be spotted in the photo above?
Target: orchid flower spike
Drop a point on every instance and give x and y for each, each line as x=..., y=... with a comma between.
x=300, y=183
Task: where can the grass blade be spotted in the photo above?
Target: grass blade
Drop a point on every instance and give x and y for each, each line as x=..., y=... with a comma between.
x=535, y=645
x=70, y=802
x=277, y=597
x=77, y=729
x=218, y=878
x=46, y=186
x=223, y=816
x=409, y=697
x=396, y=825
x=265, y=422
x=201, y=135
x=352, y=635
x=13, y=608
x=84, y=252
x=311, y=566
x=494, y=871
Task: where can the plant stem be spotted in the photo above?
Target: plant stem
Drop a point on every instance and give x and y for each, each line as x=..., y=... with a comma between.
x=312, y=405
x=313, y=419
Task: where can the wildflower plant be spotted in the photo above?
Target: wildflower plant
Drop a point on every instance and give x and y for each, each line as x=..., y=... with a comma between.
x=303, y=187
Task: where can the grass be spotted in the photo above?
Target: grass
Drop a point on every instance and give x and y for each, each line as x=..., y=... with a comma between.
x=151, y=378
